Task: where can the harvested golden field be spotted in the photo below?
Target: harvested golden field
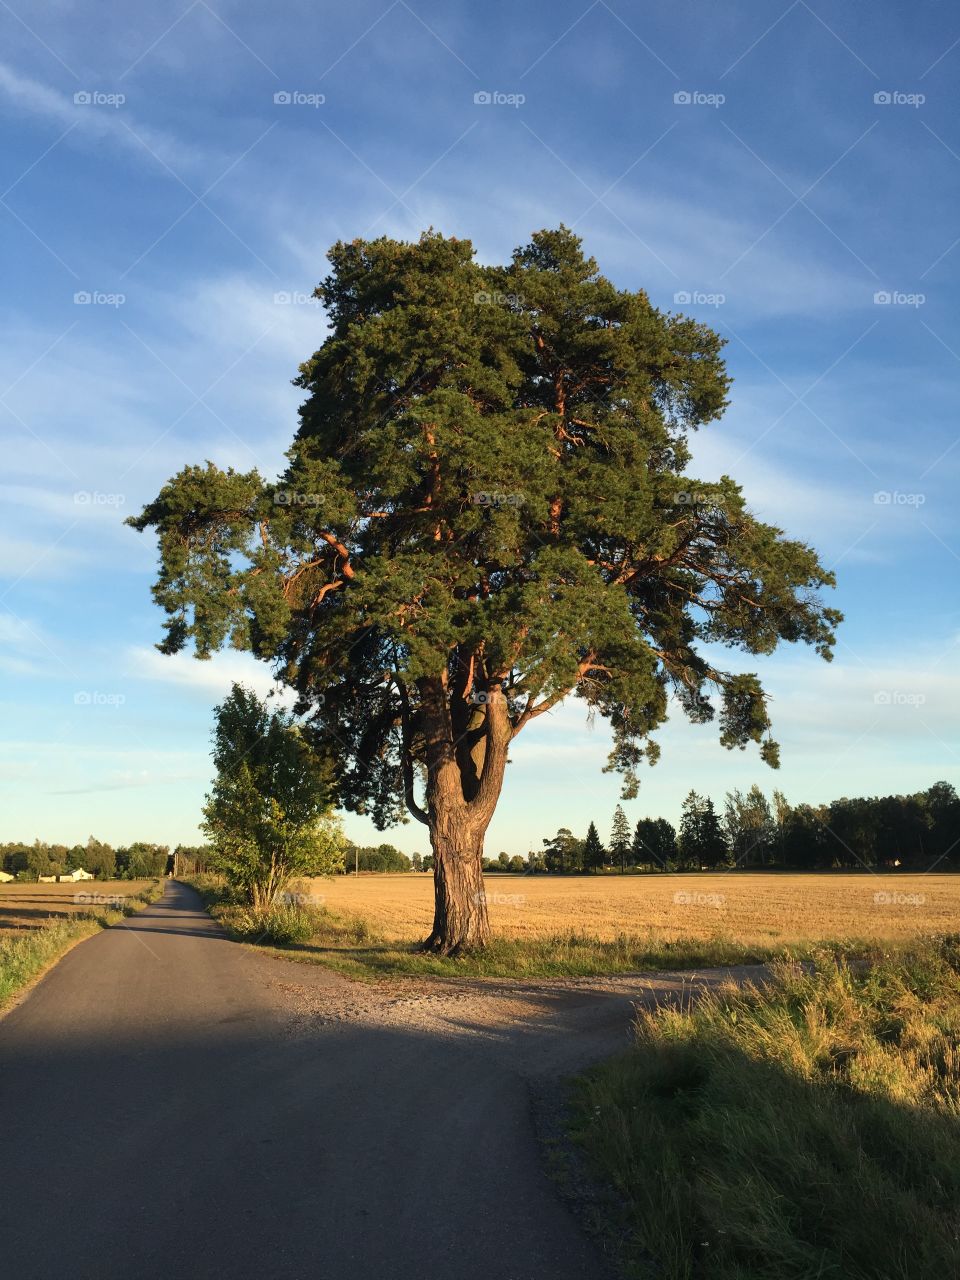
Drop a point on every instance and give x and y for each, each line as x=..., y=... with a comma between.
x=28, y=906
x=743, y=907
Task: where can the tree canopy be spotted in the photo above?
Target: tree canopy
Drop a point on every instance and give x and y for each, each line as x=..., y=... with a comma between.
x=700, y=842
x=487, y=507
x=267, y=816
x=620, y=838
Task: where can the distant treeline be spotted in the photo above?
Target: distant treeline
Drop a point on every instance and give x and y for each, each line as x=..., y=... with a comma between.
x=381, y=857
x=142, y=859
x=130, y=862
x=916, y=832
x=913, y=832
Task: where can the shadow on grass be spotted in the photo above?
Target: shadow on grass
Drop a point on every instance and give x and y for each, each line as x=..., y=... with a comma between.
x=738, y=1168
x=559, y=956
x=811, y=1130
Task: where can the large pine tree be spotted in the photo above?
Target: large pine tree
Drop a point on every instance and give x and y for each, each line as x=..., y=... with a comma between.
x=486, y=509
x=594, y=854
x=620, y=838
x=701, y=841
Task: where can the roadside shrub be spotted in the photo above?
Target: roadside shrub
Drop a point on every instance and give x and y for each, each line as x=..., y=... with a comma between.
x=282, y=925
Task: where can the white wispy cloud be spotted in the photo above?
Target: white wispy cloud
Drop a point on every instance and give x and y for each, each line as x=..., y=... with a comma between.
x=92, y=122
x=213, y=676
x=663, y=242
x=37, y=559
x=59, y=504
x=20, y=639
x=126, y=780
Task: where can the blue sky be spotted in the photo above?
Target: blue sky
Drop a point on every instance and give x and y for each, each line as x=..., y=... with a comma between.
x=738, y=156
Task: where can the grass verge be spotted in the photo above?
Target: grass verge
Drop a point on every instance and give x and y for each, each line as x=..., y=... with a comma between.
x=808, y=1129
x=348, y=944
x=26, y=953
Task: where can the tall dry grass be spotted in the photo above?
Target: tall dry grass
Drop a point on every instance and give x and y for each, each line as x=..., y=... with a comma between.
x=807, y=1129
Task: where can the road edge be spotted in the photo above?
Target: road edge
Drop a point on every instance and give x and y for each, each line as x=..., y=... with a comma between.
x=95, y=926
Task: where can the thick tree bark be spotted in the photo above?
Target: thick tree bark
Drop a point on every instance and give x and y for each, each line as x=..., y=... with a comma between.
x=460, y=919
x=459, y=808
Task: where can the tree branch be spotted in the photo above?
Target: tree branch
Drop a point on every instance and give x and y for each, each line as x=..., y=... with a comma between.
x=406, y=754
x=346, y=568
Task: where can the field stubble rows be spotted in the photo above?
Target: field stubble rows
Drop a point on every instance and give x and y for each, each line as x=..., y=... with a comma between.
x=749, y=908
x=31, y=906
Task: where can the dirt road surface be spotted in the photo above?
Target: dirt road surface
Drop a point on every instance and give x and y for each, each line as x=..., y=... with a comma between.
x=174, y=1104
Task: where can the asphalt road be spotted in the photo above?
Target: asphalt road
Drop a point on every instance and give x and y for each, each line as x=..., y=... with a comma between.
x=174, y=1105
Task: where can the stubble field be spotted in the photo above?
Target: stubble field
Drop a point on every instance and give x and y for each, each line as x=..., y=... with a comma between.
x=29, y=906
x=752, y=909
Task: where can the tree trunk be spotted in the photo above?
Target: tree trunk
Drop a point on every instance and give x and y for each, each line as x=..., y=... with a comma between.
x=459, y=808
x=460, y=906
x=456, y=837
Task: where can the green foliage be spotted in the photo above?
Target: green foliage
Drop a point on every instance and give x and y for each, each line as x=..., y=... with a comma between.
x=536, y=862
x=42, y=859
x=594, y=854
x=142, y=859
x=488, y=491
x=654, y=842
x=47, y=859
x=620, y=839
x=807, y=1128
x=191, y=859
x=100, y=860
x=137, y=861
x=382, y=857
x=913, y=832
x=750, y=829
x=278, y=925
x=267, y=817
x=563, y=852
x=14, y=859
x=292, y=923
x=701, y=842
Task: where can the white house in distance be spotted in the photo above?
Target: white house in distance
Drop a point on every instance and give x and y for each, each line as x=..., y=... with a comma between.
x=73, y=876
x=5, y=877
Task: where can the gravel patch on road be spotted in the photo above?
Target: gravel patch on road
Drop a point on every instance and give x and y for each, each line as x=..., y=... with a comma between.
x=550, y=1027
